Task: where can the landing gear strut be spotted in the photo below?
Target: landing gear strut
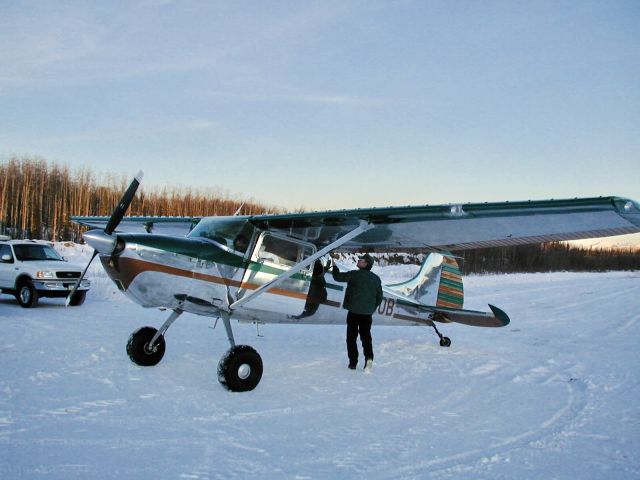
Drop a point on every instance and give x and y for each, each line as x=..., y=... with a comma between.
x=239, y=370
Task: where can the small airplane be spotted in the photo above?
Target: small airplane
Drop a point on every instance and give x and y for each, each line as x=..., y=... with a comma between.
x=272, y=268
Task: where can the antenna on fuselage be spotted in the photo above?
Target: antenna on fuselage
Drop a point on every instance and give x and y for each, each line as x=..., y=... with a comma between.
x=239, y=210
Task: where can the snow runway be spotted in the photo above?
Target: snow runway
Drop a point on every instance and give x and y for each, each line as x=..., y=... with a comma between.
x=552, y=395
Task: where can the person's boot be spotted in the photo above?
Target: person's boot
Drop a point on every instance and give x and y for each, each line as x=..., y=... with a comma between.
x=368, y=365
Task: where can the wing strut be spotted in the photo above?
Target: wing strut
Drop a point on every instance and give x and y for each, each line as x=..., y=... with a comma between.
x=363, y=227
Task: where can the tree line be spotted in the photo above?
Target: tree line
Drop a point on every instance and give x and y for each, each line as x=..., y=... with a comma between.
x=37, y=197
x=547, y=257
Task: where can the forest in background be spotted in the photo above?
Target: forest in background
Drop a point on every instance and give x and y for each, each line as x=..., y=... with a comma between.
x=547, y=257
x=37, y=198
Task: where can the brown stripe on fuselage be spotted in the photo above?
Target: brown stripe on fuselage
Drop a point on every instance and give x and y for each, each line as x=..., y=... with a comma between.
x=125, y=269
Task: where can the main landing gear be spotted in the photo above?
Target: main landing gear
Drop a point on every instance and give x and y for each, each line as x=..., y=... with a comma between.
x=239, y=369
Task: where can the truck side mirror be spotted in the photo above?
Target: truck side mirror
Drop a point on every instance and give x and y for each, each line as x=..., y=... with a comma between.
x=6, y=258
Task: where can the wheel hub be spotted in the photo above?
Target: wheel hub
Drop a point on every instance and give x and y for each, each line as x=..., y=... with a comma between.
x=25, y=295
x=244, y=371
x=150, y=349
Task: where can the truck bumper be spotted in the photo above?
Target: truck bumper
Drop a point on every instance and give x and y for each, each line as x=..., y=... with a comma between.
x=53, y=288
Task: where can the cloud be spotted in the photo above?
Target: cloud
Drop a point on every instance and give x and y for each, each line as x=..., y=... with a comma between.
x=280, y=95
x=35, y=44
x=53, y=44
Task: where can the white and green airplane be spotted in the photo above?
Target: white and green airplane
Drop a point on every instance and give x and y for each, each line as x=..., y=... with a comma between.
x=271, y=268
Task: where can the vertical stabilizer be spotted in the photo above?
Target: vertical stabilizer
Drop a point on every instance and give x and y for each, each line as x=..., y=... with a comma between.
x=450, y=290
x=438, y=282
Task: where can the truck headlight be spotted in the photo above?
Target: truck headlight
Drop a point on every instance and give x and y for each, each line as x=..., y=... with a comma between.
x=45, y=274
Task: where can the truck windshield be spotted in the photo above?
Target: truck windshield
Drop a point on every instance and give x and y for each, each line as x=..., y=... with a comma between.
x=35, y=252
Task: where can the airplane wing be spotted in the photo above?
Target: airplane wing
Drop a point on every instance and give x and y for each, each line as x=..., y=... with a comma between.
x=462, y=226
x=178, y=226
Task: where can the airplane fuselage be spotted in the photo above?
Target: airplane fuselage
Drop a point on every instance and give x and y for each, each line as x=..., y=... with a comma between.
x=201, y=277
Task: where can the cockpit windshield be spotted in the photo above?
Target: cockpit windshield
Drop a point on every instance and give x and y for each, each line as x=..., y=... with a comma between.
x=232, y=233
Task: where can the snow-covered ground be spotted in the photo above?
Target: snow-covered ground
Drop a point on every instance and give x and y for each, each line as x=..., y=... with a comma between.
x=553, y=395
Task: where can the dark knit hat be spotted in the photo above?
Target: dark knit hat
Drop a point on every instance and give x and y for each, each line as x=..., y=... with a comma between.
x=367, y=258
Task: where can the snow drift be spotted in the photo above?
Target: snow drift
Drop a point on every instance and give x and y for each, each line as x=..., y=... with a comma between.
x=553, y=395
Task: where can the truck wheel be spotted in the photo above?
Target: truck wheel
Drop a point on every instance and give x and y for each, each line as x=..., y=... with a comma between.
x=78, y=299
x=27, y=296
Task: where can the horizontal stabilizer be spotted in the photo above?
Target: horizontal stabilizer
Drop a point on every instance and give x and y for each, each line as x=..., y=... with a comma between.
x=495, y=318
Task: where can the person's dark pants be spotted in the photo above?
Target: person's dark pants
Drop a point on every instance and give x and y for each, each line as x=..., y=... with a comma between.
x=359, y=324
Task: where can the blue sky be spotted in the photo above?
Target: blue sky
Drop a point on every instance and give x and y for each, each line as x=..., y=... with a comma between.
x=331, y=104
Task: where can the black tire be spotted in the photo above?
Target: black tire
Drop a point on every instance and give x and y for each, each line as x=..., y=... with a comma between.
x=445, y=342
x=240, y=370
x=27, y=296
x=138, y=347
x=78, y=298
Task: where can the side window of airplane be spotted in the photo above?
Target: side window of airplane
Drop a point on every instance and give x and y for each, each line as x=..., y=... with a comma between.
x=283, y=251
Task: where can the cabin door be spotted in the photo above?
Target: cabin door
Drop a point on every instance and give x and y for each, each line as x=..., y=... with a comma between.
x=273, y=255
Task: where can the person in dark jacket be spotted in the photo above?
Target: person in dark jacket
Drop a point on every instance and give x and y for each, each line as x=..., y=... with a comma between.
x=363, y=296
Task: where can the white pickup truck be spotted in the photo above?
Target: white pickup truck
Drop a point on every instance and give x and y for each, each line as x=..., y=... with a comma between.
x=31, y=269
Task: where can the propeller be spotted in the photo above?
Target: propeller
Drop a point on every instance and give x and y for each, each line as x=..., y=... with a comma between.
x=103, y=241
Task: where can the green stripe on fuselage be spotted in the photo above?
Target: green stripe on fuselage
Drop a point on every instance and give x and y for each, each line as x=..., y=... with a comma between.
x=204, y=250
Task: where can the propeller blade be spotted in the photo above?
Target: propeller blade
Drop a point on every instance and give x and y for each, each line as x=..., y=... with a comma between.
x=75, y=287
x=104, y=242
x=123, y=205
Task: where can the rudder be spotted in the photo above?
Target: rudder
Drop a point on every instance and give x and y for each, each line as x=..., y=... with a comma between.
x=450, y=290
x=438, y=282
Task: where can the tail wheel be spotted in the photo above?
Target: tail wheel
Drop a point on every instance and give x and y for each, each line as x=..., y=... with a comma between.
x=240, y=370
x=27, y=295
x=445, y=342
x=140, y=350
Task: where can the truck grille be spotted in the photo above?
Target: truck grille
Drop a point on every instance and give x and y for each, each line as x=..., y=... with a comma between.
x=68, y=274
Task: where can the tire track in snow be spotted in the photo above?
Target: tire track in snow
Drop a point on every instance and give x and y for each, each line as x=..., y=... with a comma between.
x=552, y=427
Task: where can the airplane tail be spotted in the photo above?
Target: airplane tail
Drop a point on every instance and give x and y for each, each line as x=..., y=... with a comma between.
x=438, y=282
